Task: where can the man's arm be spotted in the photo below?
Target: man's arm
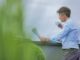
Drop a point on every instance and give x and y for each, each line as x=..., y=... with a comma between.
x=62, y=34
x=58, y=37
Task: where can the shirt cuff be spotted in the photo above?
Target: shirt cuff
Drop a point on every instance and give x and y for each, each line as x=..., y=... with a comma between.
x=54, y=40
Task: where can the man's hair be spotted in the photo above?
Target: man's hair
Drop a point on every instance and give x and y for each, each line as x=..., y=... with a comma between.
x=65, y=10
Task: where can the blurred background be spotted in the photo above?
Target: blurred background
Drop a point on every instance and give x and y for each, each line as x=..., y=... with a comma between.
x=14, y=44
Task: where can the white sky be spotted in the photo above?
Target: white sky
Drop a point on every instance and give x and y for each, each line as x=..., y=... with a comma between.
x=41, y=14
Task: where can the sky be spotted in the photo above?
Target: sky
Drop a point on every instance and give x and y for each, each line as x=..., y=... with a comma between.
x=42, y=15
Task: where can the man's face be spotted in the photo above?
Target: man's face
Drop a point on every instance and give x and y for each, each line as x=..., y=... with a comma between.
x=63, y=17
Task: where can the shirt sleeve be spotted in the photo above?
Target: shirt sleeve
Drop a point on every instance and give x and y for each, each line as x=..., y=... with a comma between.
x=62, y=34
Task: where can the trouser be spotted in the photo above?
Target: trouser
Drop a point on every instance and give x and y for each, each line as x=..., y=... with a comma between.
x=69, y=54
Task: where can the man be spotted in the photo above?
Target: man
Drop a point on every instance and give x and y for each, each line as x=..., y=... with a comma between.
x=69, y=34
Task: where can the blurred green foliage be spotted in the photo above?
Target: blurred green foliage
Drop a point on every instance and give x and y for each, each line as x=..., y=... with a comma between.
x=13, y=45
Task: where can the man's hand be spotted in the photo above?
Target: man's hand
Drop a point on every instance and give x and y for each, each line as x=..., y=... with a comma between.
x=44, y=39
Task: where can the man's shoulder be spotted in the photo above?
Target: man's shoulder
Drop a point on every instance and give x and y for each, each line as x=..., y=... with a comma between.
x=69, y=24
x=72, y=25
